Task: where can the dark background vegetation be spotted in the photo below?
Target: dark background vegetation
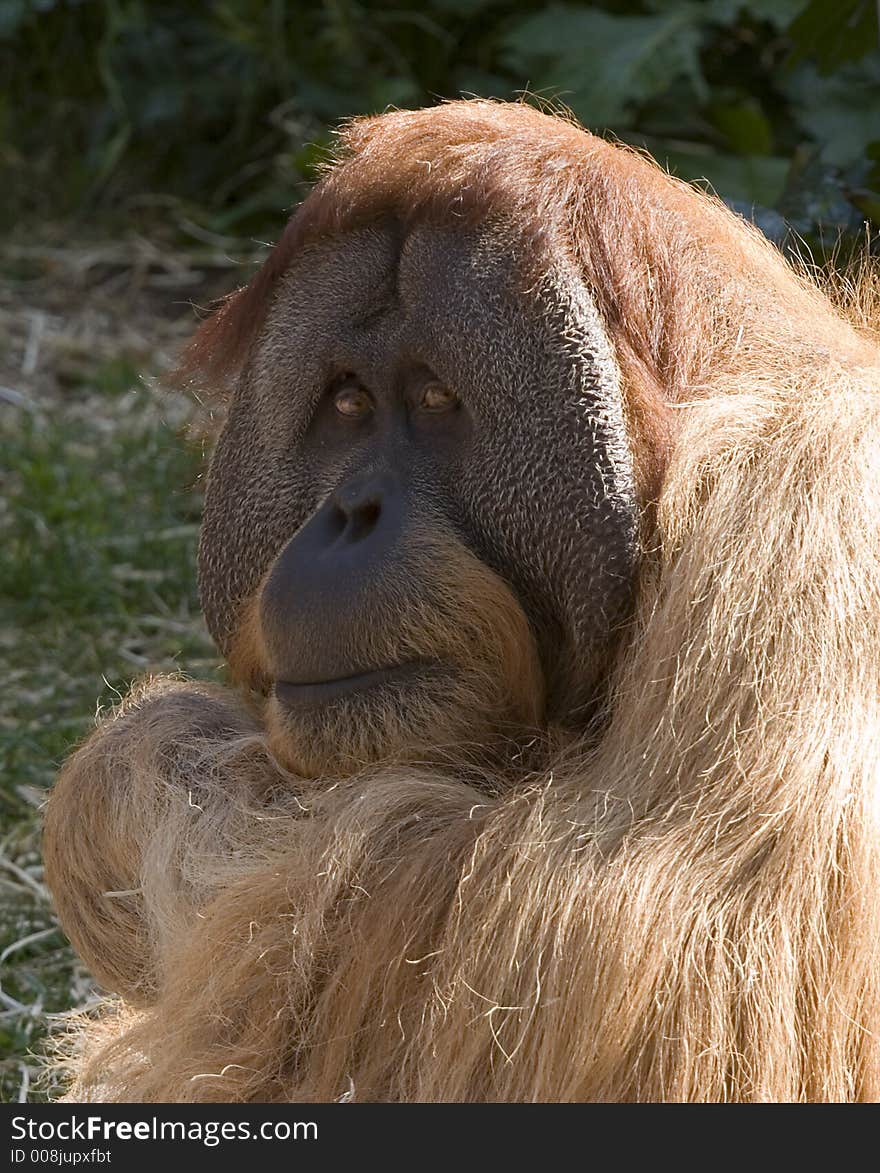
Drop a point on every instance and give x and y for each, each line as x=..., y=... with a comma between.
x=223, y=107
x=147, y=148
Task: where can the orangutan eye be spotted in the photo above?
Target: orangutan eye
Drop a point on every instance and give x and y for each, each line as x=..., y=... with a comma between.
x=353, y=402
x=436, y=397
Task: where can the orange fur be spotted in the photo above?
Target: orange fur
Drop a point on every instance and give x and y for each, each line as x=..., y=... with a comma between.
x=683, y=908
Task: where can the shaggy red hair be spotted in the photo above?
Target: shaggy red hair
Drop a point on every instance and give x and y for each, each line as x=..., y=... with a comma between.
x=686, y=909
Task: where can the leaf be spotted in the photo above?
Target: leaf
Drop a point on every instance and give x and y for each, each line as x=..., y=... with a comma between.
x=469, y=80
x=744, y=125
x=841, y=112
x=818, y=197
x=779, y=13
x=868, y=203
x=603, y=65
x=464, y=7
x=746, y=180
x=13, y=14
x=386, y=92
x=834, y=33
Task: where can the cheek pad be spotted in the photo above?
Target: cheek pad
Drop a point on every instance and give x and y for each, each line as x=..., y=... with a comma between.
x=549, y=492
x=259, y=490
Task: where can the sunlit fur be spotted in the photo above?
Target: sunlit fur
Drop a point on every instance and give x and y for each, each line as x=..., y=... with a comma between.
x=686, y=907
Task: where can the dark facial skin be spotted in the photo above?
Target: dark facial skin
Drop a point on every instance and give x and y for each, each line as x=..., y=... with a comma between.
x=390, y=446
x=409, y=390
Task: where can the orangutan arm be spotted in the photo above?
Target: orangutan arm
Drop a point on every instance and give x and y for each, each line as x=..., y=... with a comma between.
x=156, y=785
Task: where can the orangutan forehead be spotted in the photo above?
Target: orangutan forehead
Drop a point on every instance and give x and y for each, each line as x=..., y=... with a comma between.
x=358, y=269
x=448, y=297
x=361, y=301
x=380, y=264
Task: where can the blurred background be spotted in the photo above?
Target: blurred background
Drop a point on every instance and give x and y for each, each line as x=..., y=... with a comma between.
x=149, y=151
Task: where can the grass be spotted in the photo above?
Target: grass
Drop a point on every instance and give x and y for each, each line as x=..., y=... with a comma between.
x=98, y=525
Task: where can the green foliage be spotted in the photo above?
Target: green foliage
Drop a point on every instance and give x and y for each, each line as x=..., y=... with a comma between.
x=226, y=106
x=833, y=33
x=610, y=65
